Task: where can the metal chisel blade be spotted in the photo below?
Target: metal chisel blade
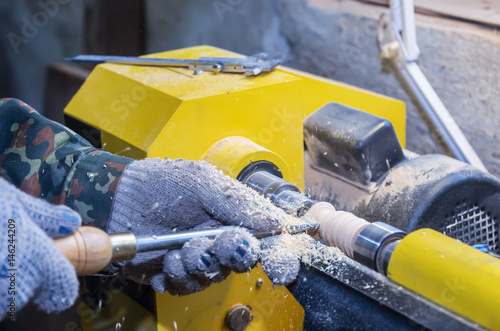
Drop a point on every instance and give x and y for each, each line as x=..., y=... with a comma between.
x=177, y=240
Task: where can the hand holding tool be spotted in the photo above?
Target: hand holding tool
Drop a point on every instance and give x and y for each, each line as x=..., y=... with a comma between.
x=90, y=249
x=32, y=268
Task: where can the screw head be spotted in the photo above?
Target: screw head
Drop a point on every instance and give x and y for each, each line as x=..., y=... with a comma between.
x=217, y=68
x=238, y=317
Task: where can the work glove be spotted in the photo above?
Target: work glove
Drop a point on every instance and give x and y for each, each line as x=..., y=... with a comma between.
x=32, y=267
x=157, y=197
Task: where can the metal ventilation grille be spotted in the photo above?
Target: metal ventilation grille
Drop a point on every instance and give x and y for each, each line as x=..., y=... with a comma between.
x=472, y=224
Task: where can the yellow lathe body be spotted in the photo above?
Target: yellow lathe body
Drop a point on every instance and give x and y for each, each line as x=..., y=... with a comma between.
x=170, y=112
x=231, y=121
x=450, y=273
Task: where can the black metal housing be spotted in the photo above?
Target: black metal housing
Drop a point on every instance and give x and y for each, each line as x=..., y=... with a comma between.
x=351, y=144
x=432, y=191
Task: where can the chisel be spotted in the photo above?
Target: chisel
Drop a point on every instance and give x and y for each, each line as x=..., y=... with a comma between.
x=90, y=249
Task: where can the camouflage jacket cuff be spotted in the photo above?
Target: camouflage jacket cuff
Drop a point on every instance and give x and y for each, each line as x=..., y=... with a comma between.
x=93, y=183
x=47, y=160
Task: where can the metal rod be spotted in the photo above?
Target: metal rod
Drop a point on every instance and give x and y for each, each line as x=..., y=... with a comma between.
x=408, y=32
x=400, y=28
x=251, y=65
x=132, y=60
x=446, y=126
x=177, y=240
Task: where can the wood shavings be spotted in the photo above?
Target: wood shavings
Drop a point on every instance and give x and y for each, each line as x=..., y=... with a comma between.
x=281, y=255
x=259, y=213
x=306, y=249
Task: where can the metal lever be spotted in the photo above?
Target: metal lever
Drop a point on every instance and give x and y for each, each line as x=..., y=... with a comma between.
x=249, y=66
x=397, y=42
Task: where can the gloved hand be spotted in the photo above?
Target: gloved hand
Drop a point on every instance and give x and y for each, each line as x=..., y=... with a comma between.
x=31, y=265
x=162, y=196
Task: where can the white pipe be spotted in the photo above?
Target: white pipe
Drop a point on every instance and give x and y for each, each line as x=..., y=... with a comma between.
x=446, y=126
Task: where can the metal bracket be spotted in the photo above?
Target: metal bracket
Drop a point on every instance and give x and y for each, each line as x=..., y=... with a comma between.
x=398, y=44
x=249, y=66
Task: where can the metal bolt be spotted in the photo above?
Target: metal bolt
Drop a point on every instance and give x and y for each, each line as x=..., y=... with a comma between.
x=198, y=72
x=260, y=282
x=217, y=68
x=238, y=317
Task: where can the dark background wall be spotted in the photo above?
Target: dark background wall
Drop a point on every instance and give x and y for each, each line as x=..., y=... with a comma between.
x=336, y=39
x=31, y=37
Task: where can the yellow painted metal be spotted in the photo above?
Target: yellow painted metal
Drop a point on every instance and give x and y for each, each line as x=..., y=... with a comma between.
x=117, y=312
x=157, y=112
x=233, y=154
x=450, y=273
x=169, y=111
x=272, y=309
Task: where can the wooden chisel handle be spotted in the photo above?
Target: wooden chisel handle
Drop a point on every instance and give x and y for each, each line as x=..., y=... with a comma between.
x=88, y=249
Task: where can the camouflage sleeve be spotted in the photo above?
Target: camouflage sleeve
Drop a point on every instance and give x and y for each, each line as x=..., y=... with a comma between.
x=48, y=160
